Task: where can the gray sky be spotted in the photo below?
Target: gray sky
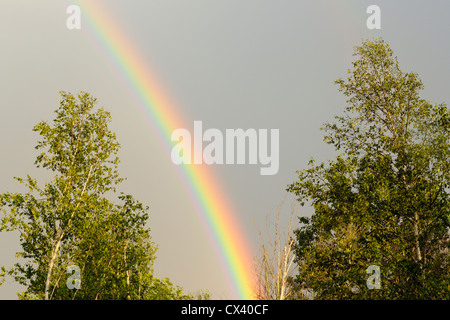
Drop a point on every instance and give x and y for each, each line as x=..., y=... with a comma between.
x=263, y=64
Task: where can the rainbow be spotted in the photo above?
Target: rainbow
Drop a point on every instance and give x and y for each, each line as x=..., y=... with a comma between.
x=213, y=207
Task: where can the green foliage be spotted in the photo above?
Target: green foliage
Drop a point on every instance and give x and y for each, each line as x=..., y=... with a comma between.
x=70, y=221
x=384, y=201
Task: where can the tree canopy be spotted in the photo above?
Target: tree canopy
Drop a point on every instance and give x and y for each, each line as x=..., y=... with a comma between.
x=70, y=222
x=384, y=200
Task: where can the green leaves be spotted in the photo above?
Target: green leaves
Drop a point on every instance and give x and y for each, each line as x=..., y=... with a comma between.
x=79, y=144
x=69, y=221
x=389, y=189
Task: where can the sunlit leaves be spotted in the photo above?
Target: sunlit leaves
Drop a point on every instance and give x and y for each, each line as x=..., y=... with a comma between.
x=70, y=220
x=389, y=189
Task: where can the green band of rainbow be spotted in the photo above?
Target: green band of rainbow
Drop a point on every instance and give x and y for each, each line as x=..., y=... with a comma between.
x=230, y=242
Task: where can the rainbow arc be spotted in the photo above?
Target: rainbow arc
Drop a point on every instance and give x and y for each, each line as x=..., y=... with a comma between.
x=231, y=246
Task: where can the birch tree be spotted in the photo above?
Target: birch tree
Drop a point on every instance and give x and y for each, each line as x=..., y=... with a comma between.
x=70, y=221
x=385, y=199
x=275, y=265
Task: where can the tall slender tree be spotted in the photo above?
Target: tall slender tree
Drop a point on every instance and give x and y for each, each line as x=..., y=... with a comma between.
x=275, y=265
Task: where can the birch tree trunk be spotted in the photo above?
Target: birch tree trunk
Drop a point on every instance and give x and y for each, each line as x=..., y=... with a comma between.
x=53, y=255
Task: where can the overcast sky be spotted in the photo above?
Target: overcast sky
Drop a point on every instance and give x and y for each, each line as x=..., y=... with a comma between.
x=262, y=64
